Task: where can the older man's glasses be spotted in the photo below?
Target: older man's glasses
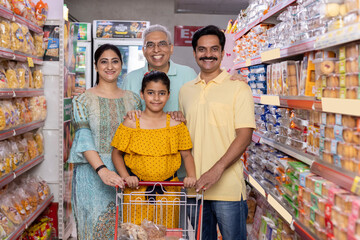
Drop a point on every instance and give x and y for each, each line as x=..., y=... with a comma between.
x=161, y=44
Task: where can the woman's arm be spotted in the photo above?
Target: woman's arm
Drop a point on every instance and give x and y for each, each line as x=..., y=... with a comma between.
x=118, y=161
x=190, y=179
x=109, y=177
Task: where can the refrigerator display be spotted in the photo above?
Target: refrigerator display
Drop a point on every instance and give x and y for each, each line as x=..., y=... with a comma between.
x=83, y=56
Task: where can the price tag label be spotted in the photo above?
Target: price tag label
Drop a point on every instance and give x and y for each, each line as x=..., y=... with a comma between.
x=270, y=55
x=248, y=62
x=30, y=62
x=356, y=185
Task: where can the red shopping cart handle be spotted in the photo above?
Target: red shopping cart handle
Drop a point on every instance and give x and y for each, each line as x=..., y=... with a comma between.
x=153, y=183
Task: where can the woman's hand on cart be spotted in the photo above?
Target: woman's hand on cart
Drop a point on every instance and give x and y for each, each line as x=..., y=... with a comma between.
x=132, y=182
x=189, y=182
x=111, y=178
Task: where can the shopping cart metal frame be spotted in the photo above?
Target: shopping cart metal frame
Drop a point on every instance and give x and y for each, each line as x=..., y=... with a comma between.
x=191, y=212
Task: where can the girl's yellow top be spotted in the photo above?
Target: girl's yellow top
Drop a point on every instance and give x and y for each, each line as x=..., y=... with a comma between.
x=152, y=154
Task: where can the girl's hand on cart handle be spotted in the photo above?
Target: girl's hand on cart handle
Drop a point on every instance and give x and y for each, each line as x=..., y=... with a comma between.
x=132, y=182
x=189, y=182
x=111, y=178
x=131, y=114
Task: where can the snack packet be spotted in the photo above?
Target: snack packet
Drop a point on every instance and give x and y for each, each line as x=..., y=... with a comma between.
x=5, y=33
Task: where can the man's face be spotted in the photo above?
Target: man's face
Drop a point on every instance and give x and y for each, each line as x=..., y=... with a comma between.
x=208, y=54
x=157, y=50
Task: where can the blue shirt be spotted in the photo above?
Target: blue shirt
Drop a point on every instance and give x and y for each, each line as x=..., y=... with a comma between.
x=178, y=75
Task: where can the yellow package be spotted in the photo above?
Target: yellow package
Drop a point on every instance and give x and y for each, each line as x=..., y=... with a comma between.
x=17, y=37
x=5, y=34
x=23, y=74
x=31, y=80
x=39, y=141
x=32, y=146
x=26, y=44
x=20, y=106
x=30, y=43
x=23, y=149
x=11, y=74
x=39, y=44
x=14, y=154
x=310, y=74
x=35, y=108
x=38, y=78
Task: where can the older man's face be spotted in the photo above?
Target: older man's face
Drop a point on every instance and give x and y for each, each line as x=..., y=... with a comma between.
x=157, y=50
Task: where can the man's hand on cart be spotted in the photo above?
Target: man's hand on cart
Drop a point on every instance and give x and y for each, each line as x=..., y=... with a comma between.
x=209, y=178
x=132, y=182
x=111, y=178
x=189, y=182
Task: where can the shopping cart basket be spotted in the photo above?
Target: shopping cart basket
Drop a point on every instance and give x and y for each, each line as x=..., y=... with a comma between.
x=160, y=206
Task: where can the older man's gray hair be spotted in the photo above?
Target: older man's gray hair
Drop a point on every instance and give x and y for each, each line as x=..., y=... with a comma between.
x=156, y=28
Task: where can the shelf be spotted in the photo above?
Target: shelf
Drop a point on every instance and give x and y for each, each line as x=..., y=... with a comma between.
x=12, y=93
x=20, y=170
x=8, y=14
x=20, y=129
x=340, y=36
x=345, y=179
x=341, y=106
x=341, y=177
x=31, y=218
x=304, y=157
x=22, y=57
x=297, y=48
x=301, y=230
x=270, y=13
x=303, y=102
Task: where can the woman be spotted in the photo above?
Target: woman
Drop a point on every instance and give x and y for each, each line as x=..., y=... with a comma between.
x=96, y=115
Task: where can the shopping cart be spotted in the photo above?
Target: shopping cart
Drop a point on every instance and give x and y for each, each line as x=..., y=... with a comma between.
x=160, y=206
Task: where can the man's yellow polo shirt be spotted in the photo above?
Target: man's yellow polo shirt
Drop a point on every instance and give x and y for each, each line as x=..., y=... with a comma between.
x=213, y=111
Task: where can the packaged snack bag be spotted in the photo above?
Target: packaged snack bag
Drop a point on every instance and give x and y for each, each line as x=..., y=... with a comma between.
x=35, y=108
x=2, y=118
x=39, y=138
x=8, y=206
x=23, y=149
x=41, y=11
x=5, y=33
x=30, y=43
x=28, y=115
x=2, y=159
x=3, y=79
x=39, y=44
x=38, y=78
x=11, y=75
x=26, y=47
x=7, y=227
x=17, y=37
x=15, y=154
x=43, y=107
x=32, y=146
x=19, y=7
x=20, y=106
x=23, y=72
x=29, y=12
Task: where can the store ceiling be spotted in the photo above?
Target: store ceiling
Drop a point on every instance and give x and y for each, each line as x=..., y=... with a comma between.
x=228, y=7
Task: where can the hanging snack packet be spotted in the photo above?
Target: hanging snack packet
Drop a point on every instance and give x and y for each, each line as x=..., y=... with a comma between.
x=19, y=7
x=39, y=138
x=8, y=207
x=35, y=108
x=28, y=115
x=39, y=44
x=32, y=146
x=26, y=46
x=6, y=4
x=43, y=105
x=5, y=33
x=29, y=12
x=2, y=118
x=41, y=12
x=11, y=75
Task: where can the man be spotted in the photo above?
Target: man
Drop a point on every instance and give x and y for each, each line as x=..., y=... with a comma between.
x=157, y=49
x=220, y=117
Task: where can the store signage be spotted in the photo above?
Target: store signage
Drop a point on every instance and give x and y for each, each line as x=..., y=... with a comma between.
x=120, y=29
x=184, y=34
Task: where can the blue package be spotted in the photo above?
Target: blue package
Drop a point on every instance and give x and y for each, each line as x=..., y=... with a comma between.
x=252, y=76
x=260, y=84
x=252, y=84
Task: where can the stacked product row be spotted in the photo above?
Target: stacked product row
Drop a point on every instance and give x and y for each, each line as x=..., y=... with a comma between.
x=306, y=20
x=40, y=230
x=19, y=200
x=322, y=206
x=17, y=37
x=337, y=72
x=36, y=13
x=256, y=78
x=19, y=111
x=19, y=75
x=333, y=137
x=18, y=150
x=266, y=222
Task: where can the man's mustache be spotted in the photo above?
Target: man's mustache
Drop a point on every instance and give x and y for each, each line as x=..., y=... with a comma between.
x=208, y=58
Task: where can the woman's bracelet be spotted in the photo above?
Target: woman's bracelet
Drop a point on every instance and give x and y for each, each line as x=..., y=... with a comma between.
x=100, y=167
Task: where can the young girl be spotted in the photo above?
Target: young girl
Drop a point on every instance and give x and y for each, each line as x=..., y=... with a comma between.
x=150, y=149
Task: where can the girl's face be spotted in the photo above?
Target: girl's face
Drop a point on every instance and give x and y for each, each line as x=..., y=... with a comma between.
x=108, y=66
x=155, y=96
